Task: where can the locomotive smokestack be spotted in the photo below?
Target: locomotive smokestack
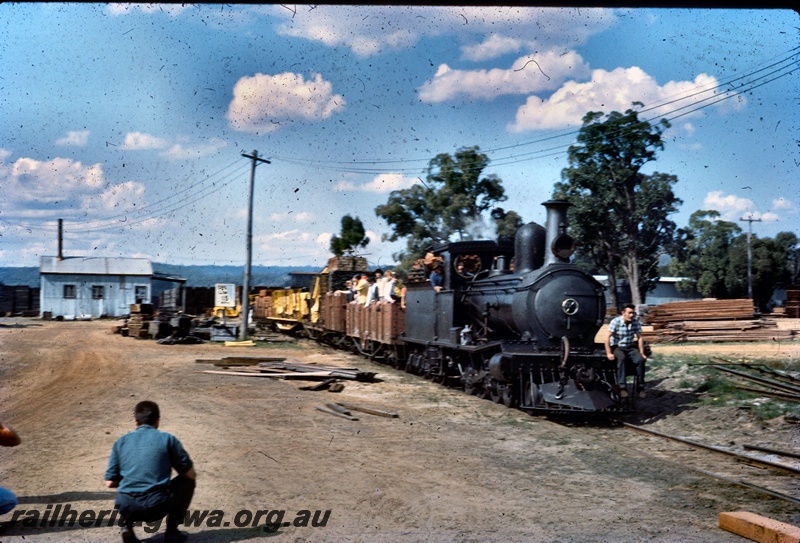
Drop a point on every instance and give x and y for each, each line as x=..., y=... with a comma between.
x=560, y=245
x=61, y=239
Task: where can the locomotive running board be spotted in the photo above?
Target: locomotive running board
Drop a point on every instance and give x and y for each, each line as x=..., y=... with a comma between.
x=589, y=400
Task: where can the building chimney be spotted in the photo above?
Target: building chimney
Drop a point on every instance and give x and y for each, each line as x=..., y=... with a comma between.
x=61, y=239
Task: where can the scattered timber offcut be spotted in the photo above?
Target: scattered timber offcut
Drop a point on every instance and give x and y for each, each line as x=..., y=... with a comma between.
x=280, y=369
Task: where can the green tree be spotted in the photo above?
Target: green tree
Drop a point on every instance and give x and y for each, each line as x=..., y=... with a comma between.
x=791, y=245
x=353, y=236
x=620, y=215
x=449, y=205
x=703, y=253
x=768, y=268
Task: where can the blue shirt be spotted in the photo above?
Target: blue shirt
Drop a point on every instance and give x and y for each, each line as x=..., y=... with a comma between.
x=624, y=335
x=143, y=459
x=437, y=279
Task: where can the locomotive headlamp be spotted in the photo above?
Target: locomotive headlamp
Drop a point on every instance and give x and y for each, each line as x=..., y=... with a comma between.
x=570, y=306
x=563, y=246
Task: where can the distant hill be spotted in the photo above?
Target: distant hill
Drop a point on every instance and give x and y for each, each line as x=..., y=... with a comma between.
x=196, y=276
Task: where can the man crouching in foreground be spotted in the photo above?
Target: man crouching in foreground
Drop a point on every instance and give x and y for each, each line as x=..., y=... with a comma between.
x=140, y=466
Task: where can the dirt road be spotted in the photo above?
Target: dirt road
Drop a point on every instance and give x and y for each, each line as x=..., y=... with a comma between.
x=451, y=468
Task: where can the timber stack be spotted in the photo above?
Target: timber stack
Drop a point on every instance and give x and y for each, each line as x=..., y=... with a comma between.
x=711, y=321
x=138, y=324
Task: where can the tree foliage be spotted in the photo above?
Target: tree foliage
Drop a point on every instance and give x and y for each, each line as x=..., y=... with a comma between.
x=713, y=254
x=449, y=205
x=352, y=237
x=620, y=215
x=703, y=253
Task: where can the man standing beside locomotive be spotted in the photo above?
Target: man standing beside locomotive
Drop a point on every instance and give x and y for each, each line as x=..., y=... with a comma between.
x=623, y=342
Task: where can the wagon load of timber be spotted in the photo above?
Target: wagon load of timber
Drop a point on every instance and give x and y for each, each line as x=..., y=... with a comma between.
x=334, y=312
x=793, y=302
x=347, y=263
x=380, y=321
x=262, y=307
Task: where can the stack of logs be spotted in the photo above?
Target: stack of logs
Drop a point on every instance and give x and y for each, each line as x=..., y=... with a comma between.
x=711, y=320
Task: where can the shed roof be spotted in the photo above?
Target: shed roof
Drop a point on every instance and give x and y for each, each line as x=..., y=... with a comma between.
x=96, y=266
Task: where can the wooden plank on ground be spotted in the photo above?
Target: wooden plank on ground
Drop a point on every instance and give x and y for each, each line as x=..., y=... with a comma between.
x=348, y=417
x=371, y=411
x=758, y=528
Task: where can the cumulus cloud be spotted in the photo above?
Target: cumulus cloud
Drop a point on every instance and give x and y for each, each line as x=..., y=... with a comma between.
x=613, y=91
x=784, y=204
x=138, y=141
x=121, y=198
x=371, y=30
x=74, y=138
x=261, y=103
x=528, y=74
x=301, y=217
x=125, y=9
x=185, y=151
x=734, y=208
x=383, y=183
x=32, y=184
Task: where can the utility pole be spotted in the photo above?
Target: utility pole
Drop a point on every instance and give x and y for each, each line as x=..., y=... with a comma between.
x=750, y=220
x=245, y=313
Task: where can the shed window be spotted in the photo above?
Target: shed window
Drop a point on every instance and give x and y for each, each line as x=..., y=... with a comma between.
x=69, y=291
x=141, y=292
x=97, y=292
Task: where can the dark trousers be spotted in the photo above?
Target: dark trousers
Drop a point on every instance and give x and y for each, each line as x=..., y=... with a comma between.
x=632, y=354
x=172, y=502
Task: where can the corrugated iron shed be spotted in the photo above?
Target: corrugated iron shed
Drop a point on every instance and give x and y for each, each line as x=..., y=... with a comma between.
x=79, y=265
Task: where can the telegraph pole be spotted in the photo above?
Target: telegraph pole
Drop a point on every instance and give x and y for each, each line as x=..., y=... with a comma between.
x=750, y=220
x=245, y=313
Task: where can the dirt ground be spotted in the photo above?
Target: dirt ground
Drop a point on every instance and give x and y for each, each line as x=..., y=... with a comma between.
x=450, y=468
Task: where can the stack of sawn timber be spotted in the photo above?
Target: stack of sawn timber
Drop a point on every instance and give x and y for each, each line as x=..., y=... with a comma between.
x=280, y=369
x=711, y=320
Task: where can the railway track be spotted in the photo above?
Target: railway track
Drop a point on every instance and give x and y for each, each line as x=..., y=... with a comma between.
x=769, y=471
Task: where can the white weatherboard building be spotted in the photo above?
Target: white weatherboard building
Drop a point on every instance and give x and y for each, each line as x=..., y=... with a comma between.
x=79, y=287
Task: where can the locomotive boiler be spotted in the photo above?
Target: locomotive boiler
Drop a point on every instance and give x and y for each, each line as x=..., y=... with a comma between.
x=514, y=322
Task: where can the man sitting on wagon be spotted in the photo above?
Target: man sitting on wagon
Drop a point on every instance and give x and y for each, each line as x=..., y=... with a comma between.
x=624, y=342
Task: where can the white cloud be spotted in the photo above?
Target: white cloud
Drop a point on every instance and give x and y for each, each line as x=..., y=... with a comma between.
x=613, y=91
x=138, y=141
x=383, y=183
x=261, y=103
x=528, y=74
x=734, y=208
x=74, y=138
x=125, y=9
x=784, y=204
x=371, y=30
x=121, y=198
x=35, y=184
x=188, y=151
x=301, y=217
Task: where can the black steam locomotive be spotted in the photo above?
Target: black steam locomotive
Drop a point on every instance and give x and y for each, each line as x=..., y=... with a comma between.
x=521, y=334
x=513, y=322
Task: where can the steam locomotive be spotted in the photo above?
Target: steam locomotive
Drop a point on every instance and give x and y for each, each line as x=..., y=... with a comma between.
x=513, y=322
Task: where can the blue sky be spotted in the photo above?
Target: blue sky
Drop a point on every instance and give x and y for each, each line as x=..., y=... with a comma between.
x=129, y=121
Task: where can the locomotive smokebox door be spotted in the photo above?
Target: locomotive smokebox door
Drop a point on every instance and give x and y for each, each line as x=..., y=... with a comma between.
x=566, y=305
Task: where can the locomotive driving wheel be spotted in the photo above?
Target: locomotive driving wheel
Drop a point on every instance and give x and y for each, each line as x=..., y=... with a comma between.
x=509, y=395
x=531, y=395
